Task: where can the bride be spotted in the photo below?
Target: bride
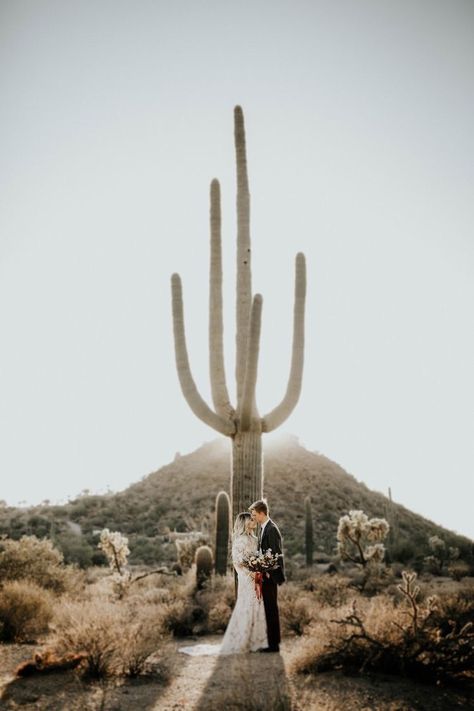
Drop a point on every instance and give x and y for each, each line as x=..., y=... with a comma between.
x=247, y=628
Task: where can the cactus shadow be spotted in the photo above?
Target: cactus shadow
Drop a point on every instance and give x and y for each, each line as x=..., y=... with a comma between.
x=251, y=681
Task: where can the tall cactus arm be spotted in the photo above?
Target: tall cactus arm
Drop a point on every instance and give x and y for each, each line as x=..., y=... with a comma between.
x=220, y=395
x=280, y=413
x=244, y=275
x=188, y=386
x=248, y=399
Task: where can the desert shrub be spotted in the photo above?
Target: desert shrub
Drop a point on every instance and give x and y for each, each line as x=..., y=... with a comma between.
x=295, y=609
x=38, y=561
x=216, y=599
x=419, y=640
x=402, y=551
x=458, y=570
x=113, y=638
x=75, y=549
x=142, y=638
x=331, y=590
x=456, y=605
x=25, y=611
x=90, y=628
x=218, y=617
x=181, y=616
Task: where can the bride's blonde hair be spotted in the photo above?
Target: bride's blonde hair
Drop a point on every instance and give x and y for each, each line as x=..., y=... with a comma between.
x=240, y=523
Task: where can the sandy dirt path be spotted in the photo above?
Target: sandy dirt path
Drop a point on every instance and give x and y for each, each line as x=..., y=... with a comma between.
x=253, y=682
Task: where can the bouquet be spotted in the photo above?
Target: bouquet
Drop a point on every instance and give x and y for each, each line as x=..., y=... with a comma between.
x=260, y=564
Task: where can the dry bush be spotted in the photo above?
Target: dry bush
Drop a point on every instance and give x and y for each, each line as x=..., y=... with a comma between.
x=218, y=617
x=458, y=570
x=190, y=611
x=296, y=609
x=114, y=638
x=38, y=561
x=25, y=611
x=408, y=637
x=455, y=604
x=181, y=616
x=330, y=590
x=216, y=599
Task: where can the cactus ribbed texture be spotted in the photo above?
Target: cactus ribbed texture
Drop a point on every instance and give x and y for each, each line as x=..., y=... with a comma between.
x=308, y=531
x=204, y=565
x=242, y=423
x=222, y=532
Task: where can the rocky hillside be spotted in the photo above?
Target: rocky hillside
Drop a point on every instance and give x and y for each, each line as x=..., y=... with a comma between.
x=180, y=496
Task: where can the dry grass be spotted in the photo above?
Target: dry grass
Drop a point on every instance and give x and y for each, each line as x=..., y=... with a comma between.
x=26, y=610
x=115, y=638
x=430, y=640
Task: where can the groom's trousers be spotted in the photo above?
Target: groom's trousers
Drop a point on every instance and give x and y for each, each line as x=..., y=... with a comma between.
x=270, y=601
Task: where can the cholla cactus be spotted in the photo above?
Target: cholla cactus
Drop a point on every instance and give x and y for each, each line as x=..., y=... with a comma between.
x=186, y=550
x=354, y=534
x=115, y=547
x=441, y=554
x=410, y=589
x=242, y=422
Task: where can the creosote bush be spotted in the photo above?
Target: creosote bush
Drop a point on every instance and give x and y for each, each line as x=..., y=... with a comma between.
x=37, y=561
x=330, y=590
x=296, y=610
x=426, y=640
x=114, y=638
x=25, y=611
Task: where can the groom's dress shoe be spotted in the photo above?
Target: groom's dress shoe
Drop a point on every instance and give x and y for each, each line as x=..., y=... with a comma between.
x=269, y=649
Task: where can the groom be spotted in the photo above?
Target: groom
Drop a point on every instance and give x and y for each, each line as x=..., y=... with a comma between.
x=270, y=537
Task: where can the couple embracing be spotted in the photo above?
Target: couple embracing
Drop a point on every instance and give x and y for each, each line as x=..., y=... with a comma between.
x=255, y=624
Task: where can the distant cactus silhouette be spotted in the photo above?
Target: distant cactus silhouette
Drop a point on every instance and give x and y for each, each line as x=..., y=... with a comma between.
x=391, y=515
x=243, y=422
x=203, y=565
x=308, y=530
x=222, y=532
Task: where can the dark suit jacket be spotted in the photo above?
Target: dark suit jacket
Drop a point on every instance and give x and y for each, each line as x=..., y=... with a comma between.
x=271, y=538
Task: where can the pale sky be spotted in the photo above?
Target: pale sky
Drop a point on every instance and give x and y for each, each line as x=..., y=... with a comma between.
x=114, y=118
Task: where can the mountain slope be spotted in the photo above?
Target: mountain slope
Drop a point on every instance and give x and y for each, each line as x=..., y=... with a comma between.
x=181, y=496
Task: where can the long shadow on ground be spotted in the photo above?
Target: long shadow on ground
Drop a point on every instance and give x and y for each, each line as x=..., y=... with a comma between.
x=254, y=682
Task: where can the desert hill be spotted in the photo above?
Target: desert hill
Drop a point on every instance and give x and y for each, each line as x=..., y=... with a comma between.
x=180, y=496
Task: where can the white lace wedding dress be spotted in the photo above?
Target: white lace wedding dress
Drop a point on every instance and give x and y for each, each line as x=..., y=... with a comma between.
x=247, y=628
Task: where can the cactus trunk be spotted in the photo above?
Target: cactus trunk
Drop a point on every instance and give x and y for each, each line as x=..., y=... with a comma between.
x=308, y=531
x=247, y=470
x=222, y=532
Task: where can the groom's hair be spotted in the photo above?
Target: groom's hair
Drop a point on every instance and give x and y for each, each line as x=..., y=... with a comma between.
x=261, y=506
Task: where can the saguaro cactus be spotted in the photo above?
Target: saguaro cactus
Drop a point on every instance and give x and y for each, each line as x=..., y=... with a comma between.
x=242, y=423
x=308, y=531
x=203, y=565
x=222, y=532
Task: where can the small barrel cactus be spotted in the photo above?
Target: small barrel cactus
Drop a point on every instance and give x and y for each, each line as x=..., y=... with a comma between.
x=204, y=565
x=308, y=529
x=222, y=532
